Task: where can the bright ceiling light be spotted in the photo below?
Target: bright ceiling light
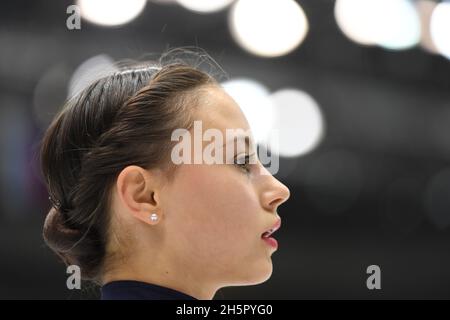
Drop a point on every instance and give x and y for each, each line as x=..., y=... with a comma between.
x=440, y=27
x=111, y=12
x=392, y=24
x=253, y=99
x=268, y=28
x=298, y=122
x=204, y=6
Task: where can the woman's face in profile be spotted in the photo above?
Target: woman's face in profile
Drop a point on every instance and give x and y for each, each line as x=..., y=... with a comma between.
x=215, y=215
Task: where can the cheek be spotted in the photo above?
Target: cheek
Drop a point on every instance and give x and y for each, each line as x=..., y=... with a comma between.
x=217, y=211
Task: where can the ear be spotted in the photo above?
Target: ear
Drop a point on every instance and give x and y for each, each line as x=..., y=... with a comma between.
x=138, y=191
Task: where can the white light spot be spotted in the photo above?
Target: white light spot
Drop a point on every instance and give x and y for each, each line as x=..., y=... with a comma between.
x=392, y=24
x=268, y=28
x=253, y=99
x=440, y=28
x=111, y=12
x=204, y=6
x=298, y=121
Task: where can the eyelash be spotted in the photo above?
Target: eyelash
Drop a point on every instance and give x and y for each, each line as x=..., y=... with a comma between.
x=244, y=166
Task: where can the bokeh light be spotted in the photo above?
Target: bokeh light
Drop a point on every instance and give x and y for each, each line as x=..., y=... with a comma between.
x=205, y=6
x=89, y=71
x=253, y=98
x=392, y=24
x=298, y=121
x=440, y=27
x=268, y=28
x=111, y=12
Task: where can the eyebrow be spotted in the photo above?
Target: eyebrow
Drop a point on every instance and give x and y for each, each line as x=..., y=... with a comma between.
x=239, y=137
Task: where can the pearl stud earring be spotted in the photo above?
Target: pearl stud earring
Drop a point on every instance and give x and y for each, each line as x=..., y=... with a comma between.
x=153, y=217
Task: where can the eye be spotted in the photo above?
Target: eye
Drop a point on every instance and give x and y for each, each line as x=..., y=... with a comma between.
x=243, y=163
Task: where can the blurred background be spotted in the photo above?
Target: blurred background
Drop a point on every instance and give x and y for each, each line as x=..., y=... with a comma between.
x=359, y=89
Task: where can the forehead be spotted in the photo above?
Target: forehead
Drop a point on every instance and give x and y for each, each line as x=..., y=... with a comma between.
x=216, y=109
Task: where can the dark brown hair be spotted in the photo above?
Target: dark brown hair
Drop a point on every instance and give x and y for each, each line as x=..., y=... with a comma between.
x=122, y=119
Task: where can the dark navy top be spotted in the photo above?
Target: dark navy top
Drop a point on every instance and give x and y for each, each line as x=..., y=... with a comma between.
x=137, y=290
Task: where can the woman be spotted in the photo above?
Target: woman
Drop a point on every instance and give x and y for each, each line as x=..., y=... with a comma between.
x=135, y=222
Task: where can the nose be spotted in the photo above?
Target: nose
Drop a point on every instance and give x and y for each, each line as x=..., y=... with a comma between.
x=274, y=194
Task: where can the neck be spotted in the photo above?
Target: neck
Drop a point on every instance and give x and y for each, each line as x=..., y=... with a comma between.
x=161, y=273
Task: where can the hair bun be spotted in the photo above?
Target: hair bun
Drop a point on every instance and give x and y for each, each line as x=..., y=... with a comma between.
x=59, y=237
x=75, y=246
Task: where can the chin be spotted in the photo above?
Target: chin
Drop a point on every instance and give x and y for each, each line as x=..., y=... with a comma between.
x=258, y=274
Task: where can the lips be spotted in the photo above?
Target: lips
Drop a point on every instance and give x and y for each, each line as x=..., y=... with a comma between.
x=270, y=231
x=266, y=236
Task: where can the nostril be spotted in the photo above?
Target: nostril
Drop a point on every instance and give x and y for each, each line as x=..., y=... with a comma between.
x=275, y=194
x=275, y=203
